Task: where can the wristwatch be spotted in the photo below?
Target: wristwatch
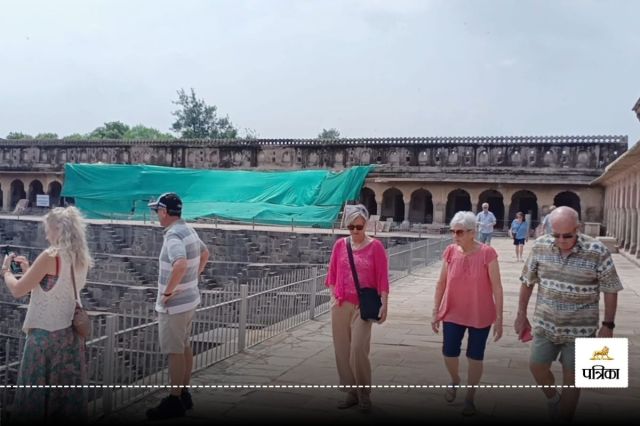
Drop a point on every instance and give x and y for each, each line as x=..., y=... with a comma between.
x=609, y=324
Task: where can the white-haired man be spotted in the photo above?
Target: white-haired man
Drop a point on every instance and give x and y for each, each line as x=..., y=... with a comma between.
x=571, y=270
x=486, y=222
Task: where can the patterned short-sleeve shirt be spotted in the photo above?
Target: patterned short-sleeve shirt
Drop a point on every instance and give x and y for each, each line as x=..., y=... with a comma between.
x=569, y=287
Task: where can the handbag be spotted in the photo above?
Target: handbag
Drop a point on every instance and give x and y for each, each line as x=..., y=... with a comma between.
x=81, y=323
x=370, y=302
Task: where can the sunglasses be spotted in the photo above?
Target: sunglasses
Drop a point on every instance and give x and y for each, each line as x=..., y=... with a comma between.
x=563, y=236
x=358, y=227
x=458, y=232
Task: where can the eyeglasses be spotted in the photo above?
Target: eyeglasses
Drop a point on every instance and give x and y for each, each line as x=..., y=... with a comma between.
x=563, y=236
x=458, y=232
x=358, y=227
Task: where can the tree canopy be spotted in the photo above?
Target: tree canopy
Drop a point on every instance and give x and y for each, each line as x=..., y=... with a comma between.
x=195, y=119
x=329, y=134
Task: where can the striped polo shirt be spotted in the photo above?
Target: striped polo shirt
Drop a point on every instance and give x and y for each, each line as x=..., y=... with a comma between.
x=180, y=242
x=569, y=288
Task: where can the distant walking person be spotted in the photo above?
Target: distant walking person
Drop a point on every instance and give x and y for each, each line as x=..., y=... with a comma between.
x=519, y=231
x=468, y=298
x=53, y=352
x=352, y=334
x=183, y=257
x=546, y=221
x=571, y=270
x=486, y=221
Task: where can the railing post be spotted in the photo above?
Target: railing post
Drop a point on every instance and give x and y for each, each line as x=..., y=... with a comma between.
x=312, y=293
x=5, y=393
x=410, y=258
x=242, y=321
x=426, y=256
x=108, y=372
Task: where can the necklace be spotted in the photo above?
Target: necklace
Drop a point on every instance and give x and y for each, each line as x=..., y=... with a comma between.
x=356, y=246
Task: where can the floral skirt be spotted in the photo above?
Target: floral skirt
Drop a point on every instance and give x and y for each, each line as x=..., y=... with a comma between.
x=51, y=358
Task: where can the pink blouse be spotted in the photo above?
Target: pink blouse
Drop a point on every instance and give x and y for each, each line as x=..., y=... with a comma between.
x=468, y=296
x=372, y=266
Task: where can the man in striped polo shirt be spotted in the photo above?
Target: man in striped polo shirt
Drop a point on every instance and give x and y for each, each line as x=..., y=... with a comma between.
x=571, y=270
x=182, y=259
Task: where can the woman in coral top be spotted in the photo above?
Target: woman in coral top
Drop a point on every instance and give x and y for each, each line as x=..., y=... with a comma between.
x=468, y=298
x=351, y=334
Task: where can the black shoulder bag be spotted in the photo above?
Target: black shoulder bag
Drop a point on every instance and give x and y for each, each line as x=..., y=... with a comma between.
x=370, y=302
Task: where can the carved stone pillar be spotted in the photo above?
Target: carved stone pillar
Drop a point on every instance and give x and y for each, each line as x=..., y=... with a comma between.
x=6, y=196
x=439, y=212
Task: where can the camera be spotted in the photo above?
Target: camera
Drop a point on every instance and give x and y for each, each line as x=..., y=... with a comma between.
x=14, y=266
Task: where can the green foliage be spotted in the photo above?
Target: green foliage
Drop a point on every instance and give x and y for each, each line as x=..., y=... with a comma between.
x=75, y=137
x=329, y=134
x=110, y=130
x=142, y=132
x=197, y=120
x=46, y=136
x=18, y=136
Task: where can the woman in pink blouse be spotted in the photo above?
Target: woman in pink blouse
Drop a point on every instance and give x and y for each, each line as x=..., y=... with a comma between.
x=468, y=298
x=351, y=334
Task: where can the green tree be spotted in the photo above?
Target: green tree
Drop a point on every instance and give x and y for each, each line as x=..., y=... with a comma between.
x=250, y=134
x=75, y=137
x=197, y=120
x=142, y=132
x=329, y=134
x=47, y=135
x=110, y=130
x=18, y=136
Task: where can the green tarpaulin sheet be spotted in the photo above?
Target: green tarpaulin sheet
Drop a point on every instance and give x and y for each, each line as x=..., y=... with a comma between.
x=309, y=197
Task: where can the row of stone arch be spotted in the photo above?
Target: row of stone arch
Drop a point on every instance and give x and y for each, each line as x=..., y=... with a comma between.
x=18, y=191
x=421, y=206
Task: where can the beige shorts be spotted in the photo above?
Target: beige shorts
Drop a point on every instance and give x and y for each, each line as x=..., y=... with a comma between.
x=175, y=331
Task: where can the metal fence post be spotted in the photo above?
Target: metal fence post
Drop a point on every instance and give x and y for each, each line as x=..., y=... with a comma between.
x=410, y=258
x=426, y=255
x=313, y=292
x=108, y=373
x=5, y=393
x=242, y=321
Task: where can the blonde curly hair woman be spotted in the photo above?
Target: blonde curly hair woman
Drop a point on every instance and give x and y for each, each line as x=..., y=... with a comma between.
x=53, y=353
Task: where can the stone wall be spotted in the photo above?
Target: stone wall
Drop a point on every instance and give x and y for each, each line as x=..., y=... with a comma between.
x=571, y=152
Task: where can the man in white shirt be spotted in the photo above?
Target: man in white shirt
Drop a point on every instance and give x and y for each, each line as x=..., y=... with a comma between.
x=486, y=222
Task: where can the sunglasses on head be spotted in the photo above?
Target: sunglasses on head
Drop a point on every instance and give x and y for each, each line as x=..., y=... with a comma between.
x=458, y=232
x=563, y=236
x=358, y=227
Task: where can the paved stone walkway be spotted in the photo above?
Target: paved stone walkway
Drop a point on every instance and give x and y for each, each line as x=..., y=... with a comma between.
x=404, y=351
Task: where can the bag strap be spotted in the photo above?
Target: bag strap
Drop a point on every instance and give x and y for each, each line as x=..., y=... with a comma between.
x=353, y=265
x=73, y=280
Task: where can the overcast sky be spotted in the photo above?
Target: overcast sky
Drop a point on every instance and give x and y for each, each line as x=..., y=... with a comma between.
x=288, y=69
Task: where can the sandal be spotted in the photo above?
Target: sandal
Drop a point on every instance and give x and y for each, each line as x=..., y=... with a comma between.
x=469, y=408
x=450, y=394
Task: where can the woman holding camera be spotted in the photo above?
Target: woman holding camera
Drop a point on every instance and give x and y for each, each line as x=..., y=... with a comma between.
x=53, y=353
x=352, y=334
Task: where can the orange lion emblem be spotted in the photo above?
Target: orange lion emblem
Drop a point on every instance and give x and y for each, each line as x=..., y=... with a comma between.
x=601, y=354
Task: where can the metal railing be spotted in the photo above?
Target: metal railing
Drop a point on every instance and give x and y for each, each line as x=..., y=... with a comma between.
x=124, y=358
